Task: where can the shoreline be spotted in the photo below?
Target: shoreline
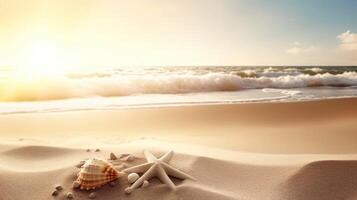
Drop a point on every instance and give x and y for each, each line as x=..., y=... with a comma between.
x=279, y=127
x=165, y=105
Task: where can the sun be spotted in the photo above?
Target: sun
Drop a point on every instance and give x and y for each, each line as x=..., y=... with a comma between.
x=40, y=60
x=38, y=68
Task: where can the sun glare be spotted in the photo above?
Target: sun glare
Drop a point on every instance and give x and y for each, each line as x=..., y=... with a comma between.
x=40, y=60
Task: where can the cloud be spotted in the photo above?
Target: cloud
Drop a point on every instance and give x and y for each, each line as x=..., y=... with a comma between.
x=348, y=41
x=299, y=49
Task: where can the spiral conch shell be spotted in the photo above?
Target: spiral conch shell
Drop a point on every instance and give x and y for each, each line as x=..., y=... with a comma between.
x=96, y=173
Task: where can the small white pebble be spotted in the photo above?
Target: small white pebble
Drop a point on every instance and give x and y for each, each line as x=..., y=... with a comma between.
x=132, y=177
x=130, y=158
x=69, y=195
x=76, y=184
x=127, y=157
x=128, y=190
x=145, y=184
x=92, y=195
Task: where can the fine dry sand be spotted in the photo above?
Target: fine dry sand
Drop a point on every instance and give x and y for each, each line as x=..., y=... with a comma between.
x=294, y=151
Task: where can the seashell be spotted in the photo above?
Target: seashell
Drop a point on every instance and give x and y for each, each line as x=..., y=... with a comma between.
x=95, y=173
x=132, y=177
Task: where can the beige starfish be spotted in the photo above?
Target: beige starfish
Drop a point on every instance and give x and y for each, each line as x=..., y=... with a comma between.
x=156, y=167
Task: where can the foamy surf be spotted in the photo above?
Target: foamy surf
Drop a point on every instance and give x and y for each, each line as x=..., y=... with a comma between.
x=174, y=100
x=126, y=82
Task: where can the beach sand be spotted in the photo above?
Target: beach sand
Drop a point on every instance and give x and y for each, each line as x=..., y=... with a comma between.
x=290, y=150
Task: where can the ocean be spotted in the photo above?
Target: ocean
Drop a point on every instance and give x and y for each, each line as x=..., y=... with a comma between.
x=130, y=87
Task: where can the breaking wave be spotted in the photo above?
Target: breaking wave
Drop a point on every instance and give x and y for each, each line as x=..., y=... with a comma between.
x=123, y=84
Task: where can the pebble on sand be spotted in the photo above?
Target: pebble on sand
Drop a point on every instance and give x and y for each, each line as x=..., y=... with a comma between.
x=69, y=195
x=113, y=156
x=145, y=184
x=88, y=150
x=55, y=193
x=128, y=158
x=76, y=184
x=92, y=195
x=132, y=177
x=113, y=183
x=97, y=150
x=59, y=188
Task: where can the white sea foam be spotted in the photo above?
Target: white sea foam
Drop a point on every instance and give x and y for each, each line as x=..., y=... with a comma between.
x=283, y=91
x=121, y=84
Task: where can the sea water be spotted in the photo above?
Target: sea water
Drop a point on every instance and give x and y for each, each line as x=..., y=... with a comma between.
x=129, y=87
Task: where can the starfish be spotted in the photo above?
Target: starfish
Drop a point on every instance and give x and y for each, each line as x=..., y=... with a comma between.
x=156, y=167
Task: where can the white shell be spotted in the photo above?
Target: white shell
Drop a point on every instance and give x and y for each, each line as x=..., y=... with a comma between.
x=95, y=173
x=132, y=177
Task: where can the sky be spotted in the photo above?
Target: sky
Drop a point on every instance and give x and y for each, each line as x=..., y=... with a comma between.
x=93, y=33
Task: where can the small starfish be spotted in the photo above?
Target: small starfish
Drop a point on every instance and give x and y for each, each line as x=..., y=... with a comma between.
x=158, y=167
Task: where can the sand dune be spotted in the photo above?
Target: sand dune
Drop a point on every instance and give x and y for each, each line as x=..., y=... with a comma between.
x=328, y=179
x=216, y=178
